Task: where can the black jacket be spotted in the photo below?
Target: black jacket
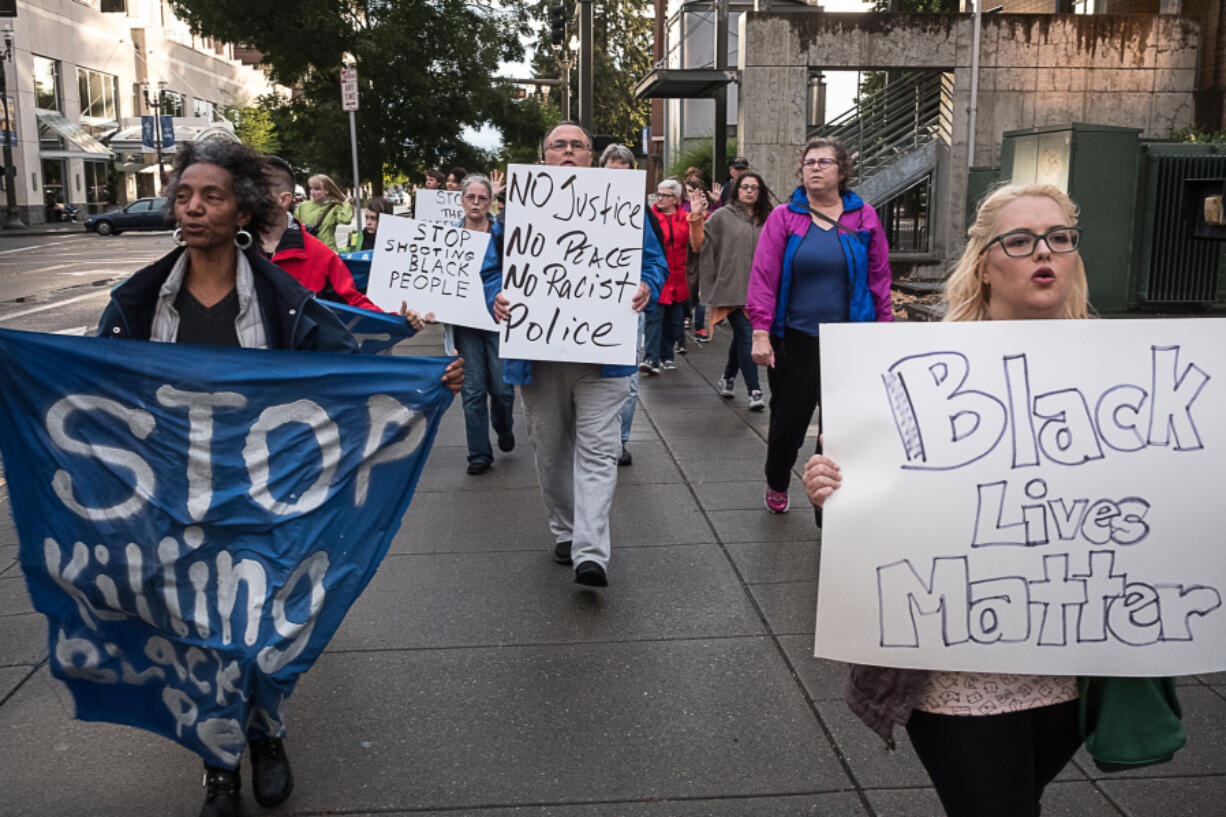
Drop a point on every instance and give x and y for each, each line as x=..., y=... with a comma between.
x=293, y=319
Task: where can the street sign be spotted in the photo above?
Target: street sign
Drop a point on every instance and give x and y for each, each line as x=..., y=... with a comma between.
x=349, y=89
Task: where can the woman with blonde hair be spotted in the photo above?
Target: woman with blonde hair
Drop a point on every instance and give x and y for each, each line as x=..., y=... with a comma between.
x=324, y=210
x=991, y=742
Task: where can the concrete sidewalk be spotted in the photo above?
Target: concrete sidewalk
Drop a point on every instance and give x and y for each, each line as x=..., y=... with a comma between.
x=474, y=678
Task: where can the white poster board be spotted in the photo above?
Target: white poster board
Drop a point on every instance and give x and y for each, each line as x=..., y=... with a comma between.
x=572, y=258
x=1026, y=496
x=438, y=205
x=432, y=267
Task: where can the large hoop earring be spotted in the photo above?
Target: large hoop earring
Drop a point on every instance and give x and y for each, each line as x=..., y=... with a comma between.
x=242, y=239
x=177, y=237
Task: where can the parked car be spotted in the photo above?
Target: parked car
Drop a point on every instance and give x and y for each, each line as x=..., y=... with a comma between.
x=142, y=214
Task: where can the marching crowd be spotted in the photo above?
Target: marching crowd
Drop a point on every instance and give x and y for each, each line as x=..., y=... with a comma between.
x=249, y=265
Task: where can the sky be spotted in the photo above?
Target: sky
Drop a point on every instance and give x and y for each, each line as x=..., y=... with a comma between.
x=840, y=85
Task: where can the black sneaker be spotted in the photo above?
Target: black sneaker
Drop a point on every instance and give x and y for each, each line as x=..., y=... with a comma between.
x=561, y=553
x=478, y=467
x=506, y=442
x=271, y=778
x=591, y=574
x=222, y=792
x=625, y=458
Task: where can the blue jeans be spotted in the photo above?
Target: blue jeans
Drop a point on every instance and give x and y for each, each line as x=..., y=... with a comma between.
x=700, y=314
x=483, y=376
x=740, y=351
x=632, y=398
x=665, y=326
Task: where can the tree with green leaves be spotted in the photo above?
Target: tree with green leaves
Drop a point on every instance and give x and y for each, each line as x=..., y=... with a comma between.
x=255, y=127
x=622, y=35
x=426, y=70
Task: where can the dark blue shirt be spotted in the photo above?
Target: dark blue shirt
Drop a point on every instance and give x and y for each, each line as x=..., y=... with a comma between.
x=818, y=292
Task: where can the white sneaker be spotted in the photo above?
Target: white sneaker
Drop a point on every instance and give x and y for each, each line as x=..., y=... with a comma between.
x=667, y=365
x=756, y=402
x=725, y=387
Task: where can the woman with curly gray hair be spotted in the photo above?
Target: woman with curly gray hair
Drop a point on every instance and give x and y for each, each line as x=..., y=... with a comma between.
x=216, y=288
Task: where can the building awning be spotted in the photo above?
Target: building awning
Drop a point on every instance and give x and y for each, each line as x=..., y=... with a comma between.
x=135, y=167
x=127, y=140
x=683, y=83
x=74, y=135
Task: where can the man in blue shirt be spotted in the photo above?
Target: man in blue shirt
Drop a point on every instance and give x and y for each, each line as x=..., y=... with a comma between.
x=573, y=410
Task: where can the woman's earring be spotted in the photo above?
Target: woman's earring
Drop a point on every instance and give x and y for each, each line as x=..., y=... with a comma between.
x=177, y=237
x=242, y=239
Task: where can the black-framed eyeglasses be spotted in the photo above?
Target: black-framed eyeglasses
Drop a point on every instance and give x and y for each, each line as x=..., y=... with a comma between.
x=577, y=145
x=1021, y=243
x=823, y=162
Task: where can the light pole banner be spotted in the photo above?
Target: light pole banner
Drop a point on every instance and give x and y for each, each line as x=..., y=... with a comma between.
x=1026, y=496
x=195, y=521
x=572, y=258
x=438, y=205
x=432, y=267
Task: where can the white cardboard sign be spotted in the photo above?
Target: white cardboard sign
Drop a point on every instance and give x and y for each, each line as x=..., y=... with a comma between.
x=1026, y=496
x=433, y=267
x=438, y=205
x=572, y=259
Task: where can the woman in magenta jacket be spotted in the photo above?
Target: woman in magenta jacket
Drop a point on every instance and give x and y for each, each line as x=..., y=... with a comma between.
x=821, y=258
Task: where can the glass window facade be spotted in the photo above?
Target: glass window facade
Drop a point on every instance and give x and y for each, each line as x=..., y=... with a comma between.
x=46, y=84
x=96, y=191
x=204, y=108
x=97, y=92
x=172, y=104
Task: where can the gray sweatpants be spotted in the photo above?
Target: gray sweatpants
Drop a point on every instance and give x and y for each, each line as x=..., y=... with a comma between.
x=574, y=425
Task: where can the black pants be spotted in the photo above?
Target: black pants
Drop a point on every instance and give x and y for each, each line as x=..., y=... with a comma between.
x=995, y=765
x=796, y=389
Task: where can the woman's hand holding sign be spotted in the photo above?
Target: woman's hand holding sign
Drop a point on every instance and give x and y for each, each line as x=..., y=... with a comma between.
x=822, y=478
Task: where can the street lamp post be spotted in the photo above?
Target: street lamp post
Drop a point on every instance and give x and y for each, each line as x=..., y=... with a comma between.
x=154, y=102
x=12, y=219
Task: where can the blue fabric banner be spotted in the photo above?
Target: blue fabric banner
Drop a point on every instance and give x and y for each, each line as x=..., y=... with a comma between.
x=358, y=263
x=375, y=332
x=196, y=521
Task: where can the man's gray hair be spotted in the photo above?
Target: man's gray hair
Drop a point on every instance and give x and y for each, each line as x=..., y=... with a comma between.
x=617, y=153
x=570, y=124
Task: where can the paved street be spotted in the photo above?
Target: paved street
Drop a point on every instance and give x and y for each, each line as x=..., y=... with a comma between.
x=59, y=281
x=474, y=678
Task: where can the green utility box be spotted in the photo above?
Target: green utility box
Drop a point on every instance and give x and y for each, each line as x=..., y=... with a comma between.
x=1137, y=207
x=1096, y=166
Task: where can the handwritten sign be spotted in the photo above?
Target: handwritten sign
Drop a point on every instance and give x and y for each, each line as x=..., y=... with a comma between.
x=1033, y=497
x=196, y=521
x=438, y=205
x=571, y=263
x=433, y=267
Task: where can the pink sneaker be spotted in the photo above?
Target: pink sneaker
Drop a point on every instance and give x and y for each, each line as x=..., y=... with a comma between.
x=777, y=501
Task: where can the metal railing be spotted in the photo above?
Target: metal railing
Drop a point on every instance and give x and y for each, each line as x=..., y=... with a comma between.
x=902, y=117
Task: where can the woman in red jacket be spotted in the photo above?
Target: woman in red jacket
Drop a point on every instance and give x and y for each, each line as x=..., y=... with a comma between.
x=665, y=323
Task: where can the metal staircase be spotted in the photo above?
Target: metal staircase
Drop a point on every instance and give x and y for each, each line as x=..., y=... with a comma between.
x=894, y=134
x=891, y=123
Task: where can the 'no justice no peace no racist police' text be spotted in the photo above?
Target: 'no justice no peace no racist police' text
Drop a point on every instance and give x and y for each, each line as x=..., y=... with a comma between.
x=585, y=251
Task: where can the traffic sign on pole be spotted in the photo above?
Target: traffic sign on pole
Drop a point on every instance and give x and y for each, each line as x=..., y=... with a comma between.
x=349, y=89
